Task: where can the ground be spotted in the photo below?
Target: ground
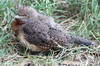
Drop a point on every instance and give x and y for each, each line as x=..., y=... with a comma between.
x=78, y=17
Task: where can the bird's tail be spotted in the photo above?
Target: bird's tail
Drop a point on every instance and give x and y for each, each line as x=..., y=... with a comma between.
x=78, y=40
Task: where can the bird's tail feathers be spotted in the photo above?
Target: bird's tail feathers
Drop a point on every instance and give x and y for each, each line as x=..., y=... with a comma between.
x=78, y=40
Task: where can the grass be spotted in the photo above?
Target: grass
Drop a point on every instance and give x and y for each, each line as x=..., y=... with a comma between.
x=79, y=17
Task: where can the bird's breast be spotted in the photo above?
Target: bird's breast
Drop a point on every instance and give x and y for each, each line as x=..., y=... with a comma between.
x=26, y=44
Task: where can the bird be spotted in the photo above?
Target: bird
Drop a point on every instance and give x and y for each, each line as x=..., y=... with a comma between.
x=40, y=33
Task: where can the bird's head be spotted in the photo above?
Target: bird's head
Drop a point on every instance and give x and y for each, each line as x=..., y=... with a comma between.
x=26, y=12
x=23, y=15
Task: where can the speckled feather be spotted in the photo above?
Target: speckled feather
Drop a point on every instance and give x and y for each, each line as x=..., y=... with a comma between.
x=43, y=35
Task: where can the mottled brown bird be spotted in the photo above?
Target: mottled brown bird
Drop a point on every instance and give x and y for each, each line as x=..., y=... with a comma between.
x=39, y=32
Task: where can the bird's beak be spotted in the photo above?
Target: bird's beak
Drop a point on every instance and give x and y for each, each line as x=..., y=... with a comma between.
x=19, y=17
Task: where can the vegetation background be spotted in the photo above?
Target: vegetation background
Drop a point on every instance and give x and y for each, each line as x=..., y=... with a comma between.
x=78, y=17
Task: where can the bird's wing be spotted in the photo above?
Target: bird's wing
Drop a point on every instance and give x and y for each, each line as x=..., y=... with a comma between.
x=37, y=33
x=59, y=37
